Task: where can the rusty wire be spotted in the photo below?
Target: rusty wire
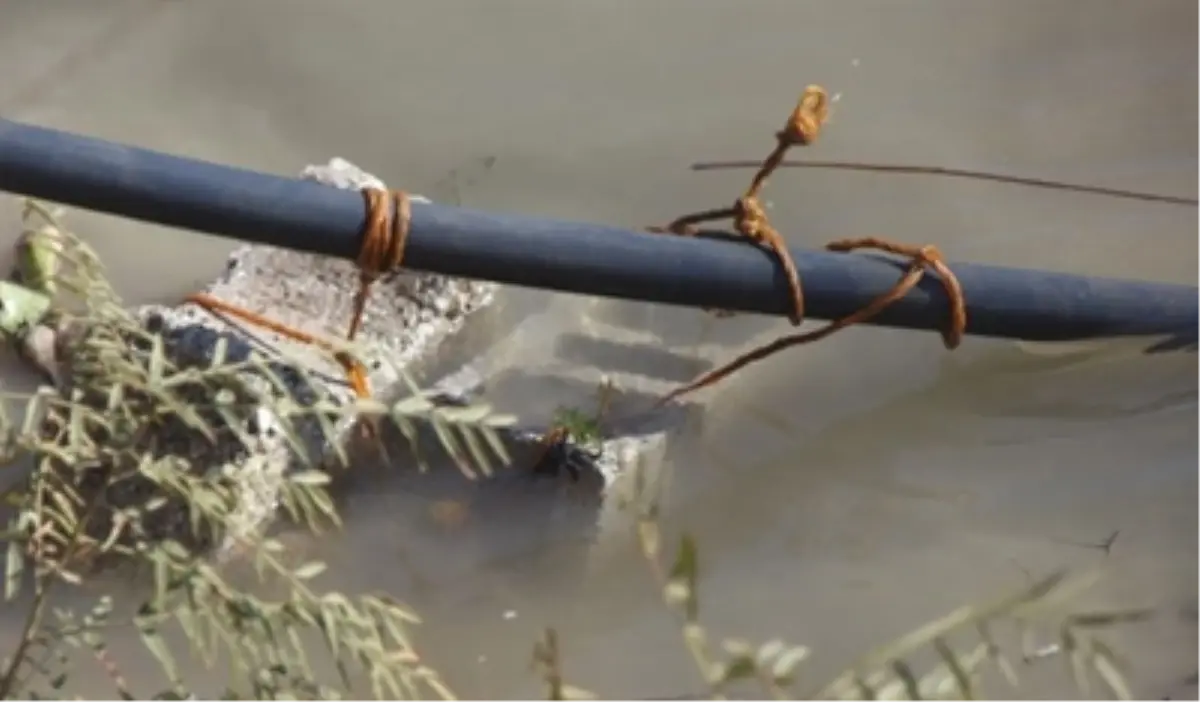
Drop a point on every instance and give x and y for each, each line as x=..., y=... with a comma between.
x=388, y=216
x=748, y=213
x=922, y=258
x=750, y=220
x=942, y=171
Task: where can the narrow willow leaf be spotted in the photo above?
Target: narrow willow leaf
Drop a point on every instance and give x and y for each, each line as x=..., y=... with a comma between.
x=310, y=477
x=329, y=435
x=469, y=414
x=162, y=578
x=158, y=361
x=497, y=445
x=1106, y=664
x=737, y=668
x=650, y=539
x=785, y=665
x=14, y=569
x=158, y=648
x=390, y=683
x=1092, y=620
x=570, y=692
x=1076, y=661
x=309, y=570
x=116, y=396
x=298, y=648
x=409, y=431
x=478, y=451
x=220, y=352
x=329, y=627
x=964, y=685
x=866, y=688
x=998, y=658
x=322, y=500
x=684, y=571
x=451, y=445
x=412, y=406
x=188, y=623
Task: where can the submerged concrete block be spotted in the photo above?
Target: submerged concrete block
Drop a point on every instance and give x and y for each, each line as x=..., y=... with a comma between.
x=408, y=315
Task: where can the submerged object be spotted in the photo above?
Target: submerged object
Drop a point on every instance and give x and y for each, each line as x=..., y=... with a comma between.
x=247, y=443
x=576, y=257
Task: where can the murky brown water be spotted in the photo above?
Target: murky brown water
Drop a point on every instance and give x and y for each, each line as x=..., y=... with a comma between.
x=840, y=495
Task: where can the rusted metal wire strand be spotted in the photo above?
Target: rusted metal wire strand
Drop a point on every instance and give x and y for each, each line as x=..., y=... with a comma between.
x=748, y=214
x=751, y=221
x=921, y=259
x=385, y=233
x=902, y=169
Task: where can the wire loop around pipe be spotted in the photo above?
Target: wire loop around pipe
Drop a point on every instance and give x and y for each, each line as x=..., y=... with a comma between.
x=751, y=221
x=387, y=220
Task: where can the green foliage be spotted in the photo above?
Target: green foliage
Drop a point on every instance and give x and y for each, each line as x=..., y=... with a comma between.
x=585, y=429
x=104, y=488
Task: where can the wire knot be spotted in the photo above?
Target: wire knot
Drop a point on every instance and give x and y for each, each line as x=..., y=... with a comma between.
x=384, y=236
x=748, y=213
x=805, y=124
x=750, y=219
x=921, y=258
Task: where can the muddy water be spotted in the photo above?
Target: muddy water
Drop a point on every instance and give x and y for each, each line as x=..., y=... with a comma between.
x=839, y=495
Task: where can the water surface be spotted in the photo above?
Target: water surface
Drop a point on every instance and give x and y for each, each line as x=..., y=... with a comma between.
x=840, y=494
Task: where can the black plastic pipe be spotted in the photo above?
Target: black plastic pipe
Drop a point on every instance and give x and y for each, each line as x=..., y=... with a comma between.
x=573, y=257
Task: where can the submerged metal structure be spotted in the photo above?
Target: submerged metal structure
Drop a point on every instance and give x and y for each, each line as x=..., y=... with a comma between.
x=574, y=257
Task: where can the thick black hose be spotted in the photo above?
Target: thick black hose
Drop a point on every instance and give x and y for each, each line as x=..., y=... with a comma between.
x=573, y=256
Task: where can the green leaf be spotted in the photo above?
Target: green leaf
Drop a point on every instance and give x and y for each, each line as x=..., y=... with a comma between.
x=1104, y=660
x=737, y=668
x=14, y=569
x=684, y=571
x=309, y=570
x=154, y=643
x=310, y=477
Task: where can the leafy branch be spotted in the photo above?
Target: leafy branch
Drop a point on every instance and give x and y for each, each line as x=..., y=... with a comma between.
x=144, y=454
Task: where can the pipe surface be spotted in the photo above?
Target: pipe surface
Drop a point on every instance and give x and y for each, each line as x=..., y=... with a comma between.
x=574, y=257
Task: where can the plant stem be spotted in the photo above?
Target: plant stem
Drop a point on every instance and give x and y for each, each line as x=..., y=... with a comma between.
x=42, y=584
x=28, y=631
